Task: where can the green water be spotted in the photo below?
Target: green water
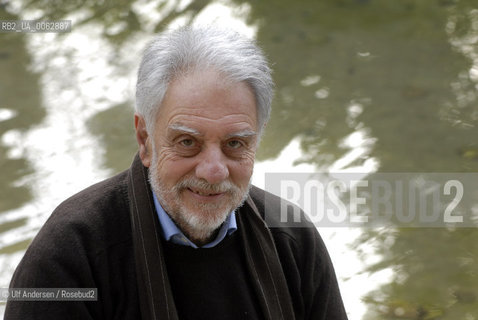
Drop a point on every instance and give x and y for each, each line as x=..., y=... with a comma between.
x=401, y=77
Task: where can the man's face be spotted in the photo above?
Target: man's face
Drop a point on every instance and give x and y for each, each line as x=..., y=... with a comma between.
x=203, y=150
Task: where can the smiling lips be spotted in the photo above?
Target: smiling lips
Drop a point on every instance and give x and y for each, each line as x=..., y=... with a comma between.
x=204, y=193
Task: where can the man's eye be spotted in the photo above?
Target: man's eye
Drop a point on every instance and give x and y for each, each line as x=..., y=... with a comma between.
x=234, y=144
x=187, y=142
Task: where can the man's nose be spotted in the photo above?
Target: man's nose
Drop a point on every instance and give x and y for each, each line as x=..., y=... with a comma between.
x=212, y=166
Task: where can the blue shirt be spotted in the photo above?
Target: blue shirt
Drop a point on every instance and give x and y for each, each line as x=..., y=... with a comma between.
x=172, y=233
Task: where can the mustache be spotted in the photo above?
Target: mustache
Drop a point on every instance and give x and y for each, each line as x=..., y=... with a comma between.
x=203, y=185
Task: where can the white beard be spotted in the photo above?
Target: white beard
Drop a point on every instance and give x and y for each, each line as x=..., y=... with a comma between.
x=200, y=222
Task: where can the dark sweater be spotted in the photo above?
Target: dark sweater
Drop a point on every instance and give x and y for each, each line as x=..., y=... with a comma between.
x=211, y=283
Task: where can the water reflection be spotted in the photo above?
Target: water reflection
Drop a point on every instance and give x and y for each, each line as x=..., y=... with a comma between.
x=362, y=85
x=406, y=78
x=394, y=61
x=114, y=127
x=20, y=109
x=395, y=84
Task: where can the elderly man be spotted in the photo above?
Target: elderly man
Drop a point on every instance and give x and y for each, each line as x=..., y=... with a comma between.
x=181, y=234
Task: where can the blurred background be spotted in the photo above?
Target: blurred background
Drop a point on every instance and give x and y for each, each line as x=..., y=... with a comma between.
x=363, y=85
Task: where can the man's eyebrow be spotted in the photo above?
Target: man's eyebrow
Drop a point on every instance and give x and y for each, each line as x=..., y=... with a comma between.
x=242, y=134
x=184, y=129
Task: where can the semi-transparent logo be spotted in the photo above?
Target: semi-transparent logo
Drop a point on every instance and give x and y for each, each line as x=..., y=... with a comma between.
x=380, y=199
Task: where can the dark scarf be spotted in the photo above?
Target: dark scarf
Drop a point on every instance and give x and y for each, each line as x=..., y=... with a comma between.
x=156, y=298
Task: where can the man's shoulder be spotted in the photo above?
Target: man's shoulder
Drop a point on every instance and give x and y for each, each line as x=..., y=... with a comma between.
x=297, y=240
x=283, y=218
x=101, y=196
x=86, y=239
x=278, y=212
x=97, y=216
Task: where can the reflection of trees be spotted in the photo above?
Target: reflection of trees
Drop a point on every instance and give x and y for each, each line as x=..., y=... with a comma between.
x=19, y=92
x=394, y=62
x=115, y=129
x=434, y=274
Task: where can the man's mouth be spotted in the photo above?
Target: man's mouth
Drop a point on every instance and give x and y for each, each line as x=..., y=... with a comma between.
x=204, y=193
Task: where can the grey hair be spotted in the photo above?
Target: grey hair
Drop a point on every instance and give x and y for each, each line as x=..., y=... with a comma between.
x=172, y=54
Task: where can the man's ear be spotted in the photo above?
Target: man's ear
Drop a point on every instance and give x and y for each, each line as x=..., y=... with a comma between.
x=143, y=139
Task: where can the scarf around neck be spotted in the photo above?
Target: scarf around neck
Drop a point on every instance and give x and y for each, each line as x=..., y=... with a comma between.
x=155, y=294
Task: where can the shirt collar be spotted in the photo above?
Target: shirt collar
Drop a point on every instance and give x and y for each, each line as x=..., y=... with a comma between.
x=172, y=233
